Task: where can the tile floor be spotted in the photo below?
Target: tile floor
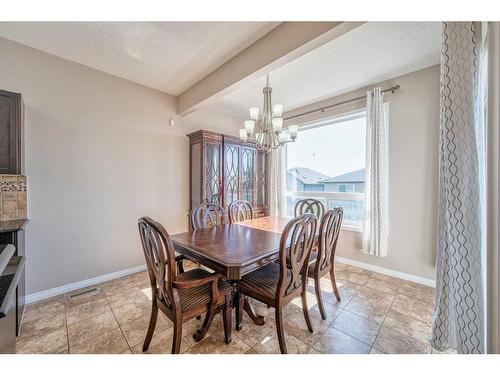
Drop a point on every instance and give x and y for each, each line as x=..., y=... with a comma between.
x=377, y=314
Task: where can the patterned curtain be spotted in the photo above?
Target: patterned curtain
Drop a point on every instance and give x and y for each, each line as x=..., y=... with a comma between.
x=376, y=218
x=277, y=182
x=458, y=321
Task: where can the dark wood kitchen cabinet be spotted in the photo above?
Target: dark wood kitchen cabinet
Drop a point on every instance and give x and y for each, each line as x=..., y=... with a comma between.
x=11, y=133
x=224, y=169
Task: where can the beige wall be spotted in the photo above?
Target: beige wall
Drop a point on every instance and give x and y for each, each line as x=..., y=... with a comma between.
x=99, y=154
x=413, y=174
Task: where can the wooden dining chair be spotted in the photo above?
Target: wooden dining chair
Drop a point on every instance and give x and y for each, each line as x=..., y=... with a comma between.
x=309, y=206
x=207, y=215
x=215, y=199
x=277, y=284
x=204, y=215
x=181, y=296
x=322, y=259
x=240, y=211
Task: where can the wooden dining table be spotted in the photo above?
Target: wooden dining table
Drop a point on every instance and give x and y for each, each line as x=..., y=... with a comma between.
x=233, y=250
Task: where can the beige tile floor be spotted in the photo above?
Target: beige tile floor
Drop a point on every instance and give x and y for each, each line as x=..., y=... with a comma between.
x=377, y=314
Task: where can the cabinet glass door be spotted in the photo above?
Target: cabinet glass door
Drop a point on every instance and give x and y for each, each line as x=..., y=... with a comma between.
x=248, y=174
x=196, y=174
x=231, y=178
x=260, y=172
x=212, y=173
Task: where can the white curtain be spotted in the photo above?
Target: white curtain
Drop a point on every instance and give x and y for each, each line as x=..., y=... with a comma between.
x=376, y=218
x=277, y=182
x=458, y=320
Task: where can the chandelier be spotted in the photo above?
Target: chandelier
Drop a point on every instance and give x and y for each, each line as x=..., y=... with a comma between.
x=268, y=133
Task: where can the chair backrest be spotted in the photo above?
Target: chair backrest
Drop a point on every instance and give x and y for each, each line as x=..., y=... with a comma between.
x=207, y=215
x=296, y=244
x=328, y=235
x=240, y=211
x=160, y=259
x=215, y=199
x=309, y=206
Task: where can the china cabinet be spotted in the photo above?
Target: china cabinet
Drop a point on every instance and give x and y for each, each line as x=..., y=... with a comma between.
x=224, y=169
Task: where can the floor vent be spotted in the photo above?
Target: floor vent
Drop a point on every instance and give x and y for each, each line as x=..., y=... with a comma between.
x=83, y=294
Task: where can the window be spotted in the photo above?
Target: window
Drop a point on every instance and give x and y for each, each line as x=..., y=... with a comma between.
x=327, y=162
x=346, y=188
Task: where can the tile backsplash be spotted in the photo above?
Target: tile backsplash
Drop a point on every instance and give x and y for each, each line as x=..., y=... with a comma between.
x=13, y=197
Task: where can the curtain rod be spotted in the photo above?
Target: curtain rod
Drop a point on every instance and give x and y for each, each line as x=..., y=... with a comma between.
x=392, y=90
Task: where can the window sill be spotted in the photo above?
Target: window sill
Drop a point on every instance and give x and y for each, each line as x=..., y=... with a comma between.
x=352, y=228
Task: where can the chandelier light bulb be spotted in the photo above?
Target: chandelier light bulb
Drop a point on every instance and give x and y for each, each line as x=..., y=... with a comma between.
x=249, y=126
x=293, y=130
x=254, y=113
x=283, y=136
x=277, y=110
x=277, y=124
x=243, y=135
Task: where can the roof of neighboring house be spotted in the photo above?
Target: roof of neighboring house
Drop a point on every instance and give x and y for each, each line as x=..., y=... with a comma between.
x=307, y=175
x=354, y=176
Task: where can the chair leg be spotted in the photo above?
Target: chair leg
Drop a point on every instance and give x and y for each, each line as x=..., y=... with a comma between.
x=317, y=288
x=201, y=333
x=227, y=318
x=334, y=284
x=176, y=342
x=239, y=302
x=152, y=325
x=180, y=267
x=279, y=327
x=305, y=310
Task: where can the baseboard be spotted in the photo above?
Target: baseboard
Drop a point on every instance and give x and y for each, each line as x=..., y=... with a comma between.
x=129, y=271
x=82, y=284
x=388, y=272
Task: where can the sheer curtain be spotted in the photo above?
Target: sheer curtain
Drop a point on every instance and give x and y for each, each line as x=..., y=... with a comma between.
x=376, y=218
x=277, y=181
x=458, y=320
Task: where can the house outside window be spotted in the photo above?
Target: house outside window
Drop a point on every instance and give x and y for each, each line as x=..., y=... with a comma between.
x=327, y=162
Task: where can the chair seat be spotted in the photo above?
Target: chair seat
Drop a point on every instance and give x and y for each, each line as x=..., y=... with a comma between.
x=199, y=296
x=312, y=265
x=263, y=282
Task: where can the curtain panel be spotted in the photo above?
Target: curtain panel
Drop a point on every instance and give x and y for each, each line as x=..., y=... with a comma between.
x=277, y=182
x=376, y=214
x=458, y=321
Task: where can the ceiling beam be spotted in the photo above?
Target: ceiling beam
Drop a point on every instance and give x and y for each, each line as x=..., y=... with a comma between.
x=285, y=43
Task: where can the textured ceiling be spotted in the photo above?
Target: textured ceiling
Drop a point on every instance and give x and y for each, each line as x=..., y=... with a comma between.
x=371, y=53
x=168, y=56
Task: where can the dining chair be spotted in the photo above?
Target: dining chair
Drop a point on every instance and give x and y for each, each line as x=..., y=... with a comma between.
x=215, y=199
x=181, y=297
x=309, y=206
x=204, y=215
x=322, y=259
x=207, y=215
x=277, y=284
x=240, y=211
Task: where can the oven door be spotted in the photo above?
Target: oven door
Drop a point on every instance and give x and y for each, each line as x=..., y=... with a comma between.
x=9, y=280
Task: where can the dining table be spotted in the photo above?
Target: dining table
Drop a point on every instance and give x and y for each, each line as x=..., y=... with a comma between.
x=233, y=250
